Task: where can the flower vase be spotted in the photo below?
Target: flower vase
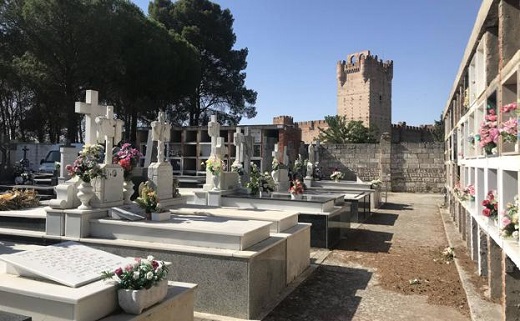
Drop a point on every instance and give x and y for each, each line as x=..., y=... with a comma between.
x=128, y=191
x=85, y=194
x=260, y=194
x=336, y=180
x=216, y=182
x=135, y=301
x=293, y=196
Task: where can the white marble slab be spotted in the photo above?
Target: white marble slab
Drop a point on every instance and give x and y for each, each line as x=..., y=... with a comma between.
x=212, y=232
x=131, y=212
x=281, y=220
x=69, y=263
x=50, y=301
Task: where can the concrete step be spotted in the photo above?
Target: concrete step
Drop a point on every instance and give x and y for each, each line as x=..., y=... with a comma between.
x=32, y=219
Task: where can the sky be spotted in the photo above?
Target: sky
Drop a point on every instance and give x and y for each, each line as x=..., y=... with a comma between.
x=294, y=46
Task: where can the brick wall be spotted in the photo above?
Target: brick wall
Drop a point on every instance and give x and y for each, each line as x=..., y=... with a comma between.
x=414, y=167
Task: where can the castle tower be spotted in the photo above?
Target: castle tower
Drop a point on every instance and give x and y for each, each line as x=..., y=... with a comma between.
x=365, y=90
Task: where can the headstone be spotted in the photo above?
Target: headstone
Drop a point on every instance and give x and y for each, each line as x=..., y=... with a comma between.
x=108, y=190
x=66, y=192
x=160, y=173
x=69, y=263
x=131, y=212
x=217, y=149
x=281, y=176
x=310, y=163
x=161, y=133
x=239, y=141
x=213, y=132
x=91, y=109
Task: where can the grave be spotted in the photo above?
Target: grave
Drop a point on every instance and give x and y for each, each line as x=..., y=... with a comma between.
x=328, y=214
x=38, y=284
x=283, y=224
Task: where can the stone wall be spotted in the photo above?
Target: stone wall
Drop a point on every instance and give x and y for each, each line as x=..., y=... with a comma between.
x=414, y=167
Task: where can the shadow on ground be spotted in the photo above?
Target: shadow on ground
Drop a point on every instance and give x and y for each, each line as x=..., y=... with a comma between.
x=397, y=207
x=329, y=294
x=380, y=218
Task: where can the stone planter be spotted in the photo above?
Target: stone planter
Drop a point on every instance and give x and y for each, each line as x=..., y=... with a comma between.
x=135, y=301
x=85, y=194
x=162, y=216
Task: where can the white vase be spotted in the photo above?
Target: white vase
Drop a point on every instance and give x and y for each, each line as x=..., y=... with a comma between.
x=293, y=196
x=161, y=216
x=85, y=194
x=128, y=191
x=216, y=182
x=135, y=301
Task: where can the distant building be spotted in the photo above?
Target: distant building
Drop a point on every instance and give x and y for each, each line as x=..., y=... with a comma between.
x=365, y=90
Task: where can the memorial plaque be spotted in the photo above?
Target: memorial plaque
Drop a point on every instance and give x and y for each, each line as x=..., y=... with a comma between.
x=131, y=212
x=69, y=263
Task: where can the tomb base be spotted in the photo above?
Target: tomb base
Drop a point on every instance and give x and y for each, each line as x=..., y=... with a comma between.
x=108, y=191
x=161, y=174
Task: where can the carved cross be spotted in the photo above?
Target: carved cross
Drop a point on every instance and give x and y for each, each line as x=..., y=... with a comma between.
x=213, y=132
x=91, y=109
x=111, y=130
x=238, y=141
x=160, y=133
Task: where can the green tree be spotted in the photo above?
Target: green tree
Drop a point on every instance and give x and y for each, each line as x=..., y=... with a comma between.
x=438, y=130
x=222, y=88
x=341, y=132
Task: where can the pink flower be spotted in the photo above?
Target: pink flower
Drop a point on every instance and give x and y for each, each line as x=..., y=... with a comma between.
x=118, y=271
x=506, y=221
x=486, y=212
x=509, y=107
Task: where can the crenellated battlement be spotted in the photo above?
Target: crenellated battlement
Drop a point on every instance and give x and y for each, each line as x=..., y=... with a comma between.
x=361, y=62
x=283, y=120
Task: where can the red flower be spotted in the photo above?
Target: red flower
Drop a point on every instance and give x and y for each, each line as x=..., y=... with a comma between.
x=486, y=212
x=485, y=202
x=118, y=271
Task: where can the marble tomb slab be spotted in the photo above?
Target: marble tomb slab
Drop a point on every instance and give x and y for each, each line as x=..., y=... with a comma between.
x=191, y=230
x=281, y=220
x=69, y=263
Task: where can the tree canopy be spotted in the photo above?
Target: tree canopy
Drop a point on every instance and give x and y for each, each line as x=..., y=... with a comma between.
x=180, y=59
x=341, y=132
x=221, y=89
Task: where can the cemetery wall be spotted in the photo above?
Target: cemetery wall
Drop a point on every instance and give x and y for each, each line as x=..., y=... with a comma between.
x=414, y=167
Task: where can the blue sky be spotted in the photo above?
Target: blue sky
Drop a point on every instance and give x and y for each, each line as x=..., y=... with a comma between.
x=294, y=46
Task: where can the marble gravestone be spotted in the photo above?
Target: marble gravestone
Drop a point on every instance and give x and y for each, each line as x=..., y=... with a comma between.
x=281, y=176
x=108, y=191
x=69, y=263
x=213, y=132
x=160, y=173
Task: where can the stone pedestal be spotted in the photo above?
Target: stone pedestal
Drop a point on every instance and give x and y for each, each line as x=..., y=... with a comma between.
x=108, y=191
x=228, y=181
x=214, y=198
x=161, y=174
x=308, y=182
x=68, y=156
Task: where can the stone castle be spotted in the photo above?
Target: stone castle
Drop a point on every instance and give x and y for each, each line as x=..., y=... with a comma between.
x=365, y=94
x=365, y=90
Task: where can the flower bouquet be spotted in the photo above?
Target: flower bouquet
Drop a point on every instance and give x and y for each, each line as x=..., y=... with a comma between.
x=490, y=206
x=296, y=187
x=141, y=284
x=336, y=175
x=147, y=199
x=376, y=183
x=469, y=193
x=489, y=133
x=267, y=183
x=509, y=130
x=87, y=164
x=128, y=158
x=510, y=220
x=142, y=274
x=237, y=168
x=214, y=165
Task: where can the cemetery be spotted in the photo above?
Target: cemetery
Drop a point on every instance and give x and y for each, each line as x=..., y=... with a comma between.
x=245, y=232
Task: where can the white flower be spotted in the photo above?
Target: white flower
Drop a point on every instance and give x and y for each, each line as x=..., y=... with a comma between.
x=515, y=234
x=136, y=275
x=149, y=275
x=150, y=258
x=145, y=262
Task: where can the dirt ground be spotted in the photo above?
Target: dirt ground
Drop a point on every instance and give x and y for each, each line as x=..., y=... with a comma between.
x=390, y=268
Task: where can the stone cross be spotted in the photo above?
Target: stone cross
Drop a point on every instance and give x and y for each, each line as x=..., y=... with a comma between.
x=238, y=141
x=285, y=157
x=91, y=109
x=220, y=149
x=160, y=133
x=276, y=153
x=111, y=130
x=213, y=132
